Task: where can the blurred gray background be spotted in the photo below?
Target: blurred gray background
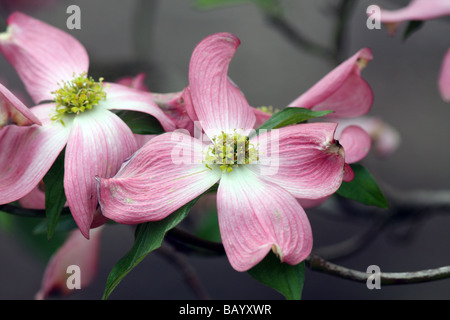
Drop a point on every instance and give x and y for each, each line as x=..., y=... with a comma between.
x=270, y=70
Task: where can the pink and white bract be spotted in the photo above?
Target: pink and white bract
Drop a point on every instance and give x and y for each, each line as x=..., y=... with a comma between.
x=51, y=63
x=343, y=90
x=257, y=206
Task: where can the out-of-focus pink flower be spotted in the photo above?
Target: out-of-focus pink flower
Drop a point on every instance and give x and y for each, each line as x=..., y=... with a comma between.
x=53, y=66
x=385, y=139
x=13, y=5
x=76, y=251
x=416, y=10
x=257, y=206
x=444, y=78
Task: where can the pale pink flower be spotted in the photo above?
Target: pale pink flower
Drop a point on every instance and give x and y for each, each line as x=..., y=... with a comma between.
x=76, y=251
x=257, y=206
x=52, y=64
x=444, y=78
x=385, y=138
x=416, y=10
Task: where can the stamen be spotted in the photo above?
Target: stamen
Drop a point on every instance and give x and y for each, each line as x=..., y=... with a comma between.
x=230, y=150
x=268, y=109
x=78, y=95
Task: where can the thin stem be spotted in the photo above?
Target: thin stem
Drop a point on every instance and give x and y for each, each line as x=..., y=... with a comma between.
x=298, y=39
x=343, y=14
x=353, y=244
x=189, y=243
x=25, y=212
x=186, y=270
x=317, y=263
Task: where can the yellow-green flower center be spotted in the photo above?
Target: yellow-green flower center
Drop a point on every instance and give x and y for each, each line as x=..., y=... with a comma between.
x=230, y=150
x=268, y=109
x=78, y=95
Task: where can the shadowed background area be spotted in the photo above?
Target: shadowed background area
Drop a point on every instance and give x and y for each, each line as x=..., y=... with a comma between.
x=158, y=37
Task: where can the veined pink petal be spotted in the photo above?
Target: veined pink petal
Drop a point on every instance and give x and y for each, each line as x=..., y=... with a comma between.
x=33, y=200
x=76, y=251
x=444, y=78
x=27, y=153
x=12, y=110
x=174, y=105
x=356, y=143
x=161, y=177
x=343, y=90
x=417, y=10
x=142, y=139
x=218, y=103
x=304, y=159
x=256, y=217
x=311, y=203
x=349, y=175
x=98, y=144
x=261, y=117
x=42, y=55
x=120, y=97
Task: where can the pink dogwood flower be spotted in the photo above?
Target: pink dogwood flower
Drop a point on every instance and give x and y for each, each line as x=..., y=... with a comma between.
x=416, y=10
x=74, y=112
x=256, y=200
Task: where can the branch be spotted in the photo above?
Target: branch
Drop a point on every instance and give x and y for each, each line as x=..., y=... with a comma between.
x=317, y=263
x=298, y=39
x=186, y=270
x=25, y=212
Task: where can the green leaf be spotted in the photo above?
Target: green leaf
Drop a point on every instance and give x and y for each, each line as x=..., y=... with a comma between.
x=412, y=27
x=66, y=223
x=363, y=188
x=209, y=227
x=141, y=123
x=289, y=116
x=37, y=244
x=55, y=198
x=6, y=222
x=282, y=277
x=148, y=237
